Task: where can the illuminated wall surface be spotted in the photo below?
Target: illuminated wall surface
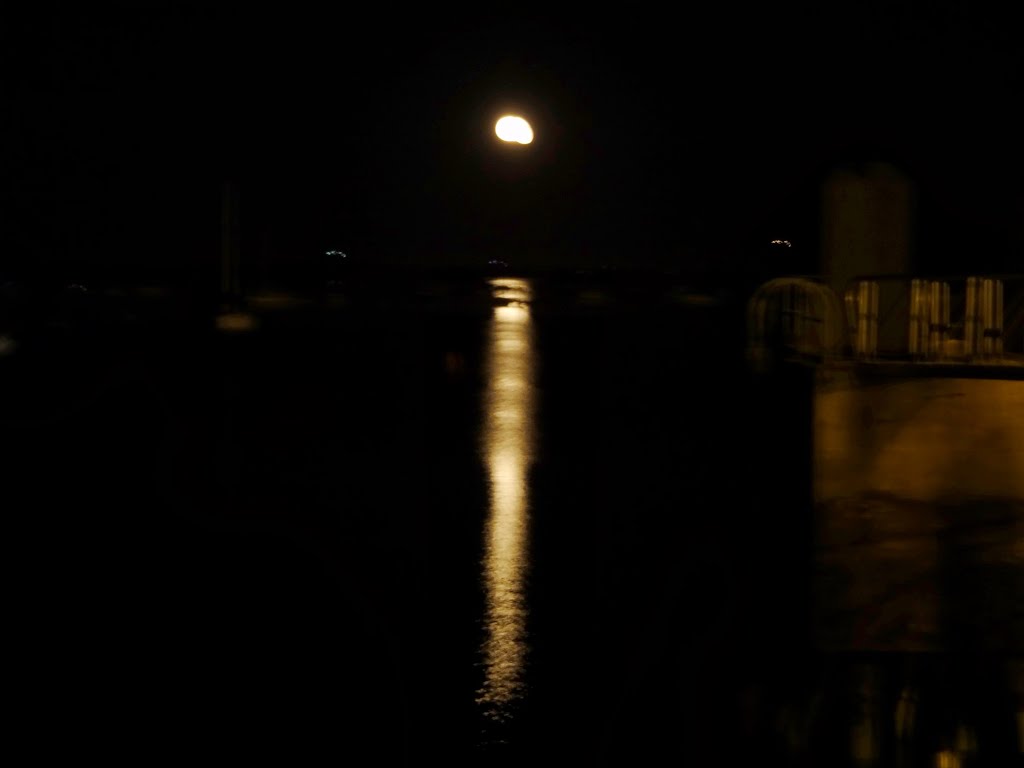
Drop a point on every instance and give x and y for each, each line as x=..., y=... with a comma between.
x=919, y=494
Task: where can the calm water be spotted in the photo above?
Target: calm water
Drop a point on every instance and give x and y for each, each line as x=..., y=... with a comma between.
x=485, y=521
x=508, y=446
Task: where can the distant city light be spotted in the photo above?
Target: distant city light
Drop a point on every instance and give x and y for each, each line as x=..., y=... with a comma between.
x=513, y=128
x=782, y=242
x=342, y=254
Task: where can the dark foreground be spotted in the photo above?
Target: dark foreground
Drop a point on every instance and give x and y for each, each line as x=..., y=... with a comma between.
x=267, y=543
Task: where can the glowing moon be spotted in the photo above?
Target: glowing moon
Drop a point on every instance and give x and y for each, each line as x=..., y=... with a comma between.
x=514, y=128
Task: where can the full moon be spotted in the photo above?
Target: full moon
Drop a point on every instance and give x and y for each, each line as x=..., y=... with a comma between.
x=514, y=128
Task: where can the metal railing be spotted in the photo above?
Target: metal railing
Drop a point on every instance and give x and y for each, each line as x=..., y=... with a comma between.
x=795, y=318
x=965, y=319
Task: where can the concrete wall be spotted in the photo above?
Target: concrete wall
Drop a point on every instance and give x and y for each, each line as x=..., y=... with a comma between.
x=924, y=439
x=919, y=514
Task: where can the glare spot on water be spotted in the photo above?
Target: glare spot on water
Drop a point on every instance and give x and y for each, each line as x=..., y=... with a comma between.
x=513, y=312
x=515, y=291
x=236, y=322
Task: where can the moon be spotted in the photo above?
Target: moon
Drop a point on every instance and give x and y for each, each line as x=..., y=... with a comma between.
x=513, y=128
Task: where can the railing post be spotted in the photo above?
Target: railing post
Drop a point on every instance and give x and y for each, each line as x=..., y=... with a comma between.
x=850, y=305
x=917, y=341
x=972, y=325
x=983, y=323
x=992, y=316
x=867, y=319
x=938, y=318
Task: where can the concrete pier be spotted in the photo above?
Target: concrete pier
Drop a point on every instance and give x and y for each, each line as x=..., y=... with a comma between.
x=919, y=507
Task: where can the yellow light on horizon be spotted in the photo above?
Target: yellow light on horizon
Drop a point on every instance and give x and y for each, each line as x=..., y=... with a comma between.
x=513, y=128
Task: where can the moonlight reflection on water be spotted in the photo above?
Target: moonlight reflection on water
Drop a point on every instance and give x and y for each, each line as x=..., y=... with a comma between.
x=508, y=447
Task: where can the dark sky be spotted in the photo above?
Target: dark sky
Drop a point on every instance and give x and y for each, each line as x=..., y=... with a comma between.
x=660, y=136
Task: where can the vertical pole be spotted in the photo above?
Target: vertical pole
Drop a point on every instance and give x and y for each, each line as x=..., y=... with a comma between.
x=946, y=301
x=971, y=317
x=852, y=323
x=986, y=315
x=999, y=317
x=992, y=317
x=938, y=317
x=917, y=317
x=867, y=318
x=863, y=322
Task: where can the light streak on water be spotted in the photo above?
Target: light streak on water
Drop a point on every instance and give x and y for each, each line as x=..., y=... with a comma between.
x=508, y=448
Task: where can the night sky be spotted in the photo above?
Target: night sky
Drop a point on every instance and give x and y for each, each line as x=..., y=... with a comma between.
x=678, y=138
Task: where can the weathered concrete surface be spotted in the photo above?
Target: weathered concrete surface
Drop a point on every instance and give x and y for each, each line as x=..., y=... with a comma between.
x=924, y=439
x=919, y=504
